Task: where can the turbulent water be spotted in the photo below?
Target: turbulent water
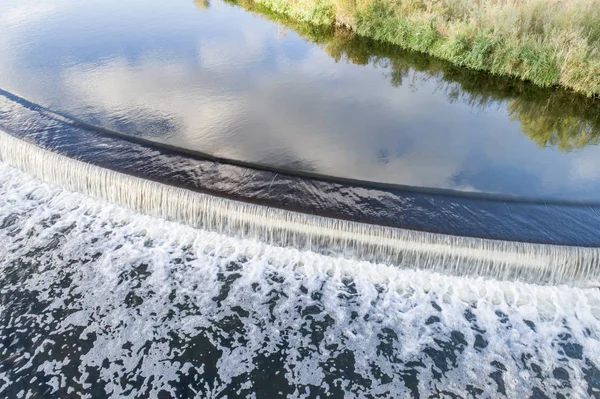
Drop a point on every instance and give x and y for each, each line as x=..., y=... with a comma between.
x=98, y=301
x=447, y=254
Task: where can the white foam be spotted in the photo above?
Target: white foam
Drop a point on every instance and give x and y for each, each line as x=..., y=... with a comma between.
x=276, y=292
x=464, y=256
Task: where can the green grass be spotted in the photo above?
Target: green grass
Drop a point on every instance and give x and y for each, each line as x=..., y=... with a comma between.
x=550, y=117
x=547, y=42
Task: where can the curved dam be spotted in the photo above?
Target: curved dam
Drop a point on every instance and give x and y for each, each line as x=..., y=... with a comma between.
x=304, y=212
x=207, y=199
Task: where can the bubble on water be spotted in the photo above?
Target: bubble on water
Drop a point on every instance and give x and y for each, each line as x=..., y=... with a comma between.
x=99, y=301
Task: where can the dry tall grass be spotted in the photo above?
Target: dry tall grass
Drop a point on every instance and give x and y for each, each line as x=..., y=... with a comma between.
x=549, y=42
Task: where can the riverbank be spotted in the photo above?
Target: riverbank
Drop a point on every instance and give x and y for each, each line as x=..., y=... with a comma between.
x=550, y=43
x=550, y=117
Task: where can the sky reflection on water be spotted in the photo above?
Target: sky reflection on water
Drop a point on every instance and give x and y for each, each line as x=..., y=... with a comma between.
x=237, y=85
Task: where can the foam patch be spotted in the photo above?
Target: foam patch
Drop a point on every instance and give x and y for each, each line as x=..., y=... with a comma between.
x=99, y=301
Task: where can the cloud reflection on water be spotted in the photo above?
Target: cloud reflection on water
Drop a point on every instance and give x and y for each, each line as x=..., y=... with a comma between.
x=229, y=83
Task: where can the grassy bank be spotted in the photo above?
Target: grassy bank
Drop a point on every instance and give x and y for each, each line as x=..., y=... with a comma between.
x=550, y=117
x=547, y=42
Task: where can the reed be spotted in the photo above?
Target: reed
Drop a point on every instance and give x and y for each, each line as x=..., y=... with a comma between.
x=547, y=42
x=550, y=117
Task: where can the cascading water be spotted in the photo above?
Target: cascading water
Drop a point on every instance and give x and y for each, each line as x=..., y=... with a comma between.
x=464, y=256
x=199, y=203
x=99, y=301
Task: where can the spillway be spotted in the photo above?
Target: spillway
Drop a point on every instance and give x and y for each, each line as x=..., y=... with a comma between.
x=447, y=254
x=207, y=200
x=99, y=295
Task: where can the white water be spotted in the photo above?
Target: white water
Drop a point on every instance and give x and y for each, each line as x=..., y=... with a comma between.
x=463, y=256
x=100, y=295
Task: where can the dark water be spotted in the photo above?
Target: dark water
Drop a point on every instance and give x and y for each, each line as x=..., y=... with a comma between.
x=239, y=85
x=98, y=302
x=463, y=215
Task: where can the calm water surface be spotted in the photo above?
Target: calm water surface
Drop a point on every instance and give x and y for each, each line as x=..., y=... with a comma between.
x=241, y=85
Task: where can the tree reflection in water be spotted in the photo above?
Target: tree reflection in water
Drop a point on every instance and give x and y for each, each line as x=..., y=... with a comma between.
x=549, y=117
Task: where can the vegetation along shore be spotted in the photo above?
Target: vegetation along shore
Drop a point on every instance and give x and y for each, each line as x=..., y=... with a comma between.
x=550, y=117
x=547, y=42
